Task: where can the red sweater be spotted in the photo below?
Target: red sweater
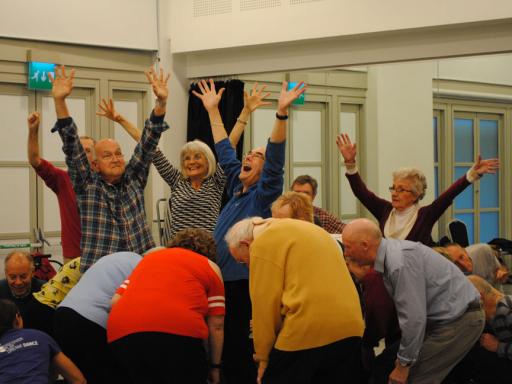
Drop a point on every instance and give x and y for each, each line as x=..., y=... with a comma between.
x=170, y=291
x=59, y=182
x=427, y=215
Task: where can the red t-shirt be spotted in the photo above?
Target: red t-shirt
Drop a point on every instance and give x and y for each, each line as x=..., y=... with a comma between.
x=170, y=291
x=59, y=182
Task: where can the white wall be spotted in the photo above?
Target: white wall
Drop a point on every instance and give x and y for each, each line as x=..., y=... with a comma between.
x=399, y=123
x=111, y=23
x=491, y=69
x=215, y=24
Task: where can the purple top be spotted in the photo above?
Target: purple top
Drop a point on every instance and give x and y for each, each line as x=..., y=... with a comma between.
x=427, y=215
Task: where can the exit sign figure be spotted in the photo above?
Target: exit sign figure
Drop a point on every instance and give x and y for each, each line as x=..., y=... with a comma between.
x=38, y=77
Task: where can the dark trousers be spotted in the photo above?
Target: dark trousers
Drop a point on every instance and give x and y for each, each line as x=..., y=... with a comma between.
x=85, y=343
x=483, y=367
x=161, y=358
x=39, y=316
x=237, y=356
x=338, y=362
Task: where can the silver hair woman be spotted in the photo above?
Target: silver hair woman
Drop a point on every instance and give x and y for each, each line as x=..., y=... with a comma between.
x=403, y=217
x=196, y=188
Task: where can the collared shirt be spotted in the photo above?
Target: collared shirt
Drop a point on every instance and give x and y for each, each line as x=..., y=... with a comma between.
x=328, y=221
x=255, y=202
x=426, y=288
x=501, y=324
x=113, y=217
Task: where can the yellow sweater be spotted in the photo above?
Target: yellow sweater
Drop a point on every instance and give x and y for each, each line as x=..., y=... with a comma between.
x=301, y=291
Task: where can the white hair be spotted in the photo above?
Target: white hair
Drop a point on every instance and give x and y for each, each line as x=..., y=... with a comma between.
x=198, y=146
x=243, y=230
x=419, y=181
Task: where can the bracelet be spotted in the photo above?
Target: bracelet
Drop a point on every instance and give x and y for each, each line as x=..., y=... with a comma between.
x=241, y=121
x=218, y=366
x=281, y=117
x=217, y=124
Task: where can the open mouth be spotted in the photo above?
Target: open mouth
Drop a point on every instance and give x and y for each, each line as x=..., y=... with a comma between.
x=246, y=168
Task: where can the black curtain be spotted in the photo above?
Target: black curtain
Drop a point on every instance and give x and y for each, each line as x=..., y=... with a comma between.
x=231, y=104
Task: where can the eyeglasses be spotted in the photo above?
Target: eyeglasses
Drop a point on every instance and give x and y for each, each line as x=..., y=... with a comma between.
x=399, y=189
x=255, y=154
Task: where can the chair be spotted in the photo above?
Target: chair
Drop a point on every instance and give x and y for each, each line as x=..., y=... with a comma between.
x=459, y=233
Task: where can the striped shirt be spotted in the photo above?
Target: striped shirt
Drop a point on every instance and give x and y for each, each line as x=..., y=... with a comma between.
x=502, y=327
x=113, y=217
x=189, y=208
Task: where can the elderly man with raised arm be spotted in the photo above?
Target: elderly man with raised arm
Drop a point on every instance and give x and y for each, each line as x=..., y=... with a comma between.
x=111, y=201
x=59, y=182
x=252, y=185
x=438, y=309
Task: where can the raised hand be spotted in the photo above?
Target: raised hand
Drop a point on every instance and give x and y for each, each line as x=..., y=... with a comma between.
x=62, y=85
x=286, y=97
x=158, y=83
x=33, y=121
x=209, y=96
x=485, y=166
x=108, y=110
x=347, y=149
x=255, y=99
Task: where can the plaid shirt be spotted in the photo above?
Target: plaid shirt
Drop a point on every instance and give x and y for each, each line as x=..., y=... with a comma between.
x=113, y=217
x=328, y=221
x=501, y=324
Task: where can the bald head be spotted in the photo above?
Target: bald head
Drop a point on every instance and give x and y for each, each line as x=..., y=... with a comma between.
x=362, y=228
x=361, y=239
x=109, y=160
x=19, y=269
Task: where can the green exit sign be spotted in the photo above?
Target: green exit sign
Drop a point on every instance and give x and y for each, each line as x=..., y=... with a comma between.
x=38, y=77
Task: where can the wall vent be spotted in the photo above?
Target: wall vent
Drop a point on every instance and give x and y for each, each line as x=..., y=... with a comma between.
x=299, y=2
x=249, y=5
x=211, y=7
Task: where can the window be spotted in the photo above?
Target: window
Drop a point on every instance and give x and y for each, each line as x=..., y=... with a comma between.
x=471, y=130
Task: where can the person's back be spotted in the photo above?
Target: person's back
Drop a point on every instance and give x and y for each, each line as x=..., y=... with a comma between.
x=167, y=292
x=91, y=296
x=319, y=302
x=25, y=356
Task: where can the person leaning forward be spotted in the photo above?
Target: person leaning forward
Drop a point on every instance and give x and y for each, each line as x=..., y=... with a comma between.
x=438, y=309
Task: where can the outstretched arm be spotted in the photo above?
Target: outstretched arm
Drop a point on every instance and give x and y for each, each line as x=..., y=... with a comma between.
x=33, y=139
x=62, y=85
x=154, y=127
x=159, y=85
x=211, y=99
x=107, y=110
x=251, y=103
x=78, y=166
x=481, y=167
x=347, y=149
x=286, y=98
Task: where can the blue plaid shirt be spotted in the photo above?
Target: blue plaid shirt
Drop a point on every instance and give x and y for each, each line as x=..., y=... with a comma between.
x=113, y=217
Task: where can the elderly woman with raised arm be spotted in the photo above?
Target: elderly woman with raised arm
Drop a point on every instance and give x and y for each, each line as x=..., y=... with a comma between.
x=402, y=217
x=197, y=186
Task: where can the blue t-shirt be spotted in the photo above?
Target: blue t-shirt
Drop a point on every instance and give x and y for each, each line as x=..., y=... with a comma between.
x=92, y=295
x=25, y=356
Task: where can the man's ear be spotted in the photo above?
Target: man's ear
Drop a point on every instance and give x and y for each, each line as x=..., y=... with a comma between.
x=94, y=165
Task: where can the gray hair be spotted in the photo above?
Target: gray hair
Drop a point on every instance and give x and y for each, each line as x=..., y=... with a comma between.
x=20, y=255
x=417, y=177
x=199, y=146
x=243, y=230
